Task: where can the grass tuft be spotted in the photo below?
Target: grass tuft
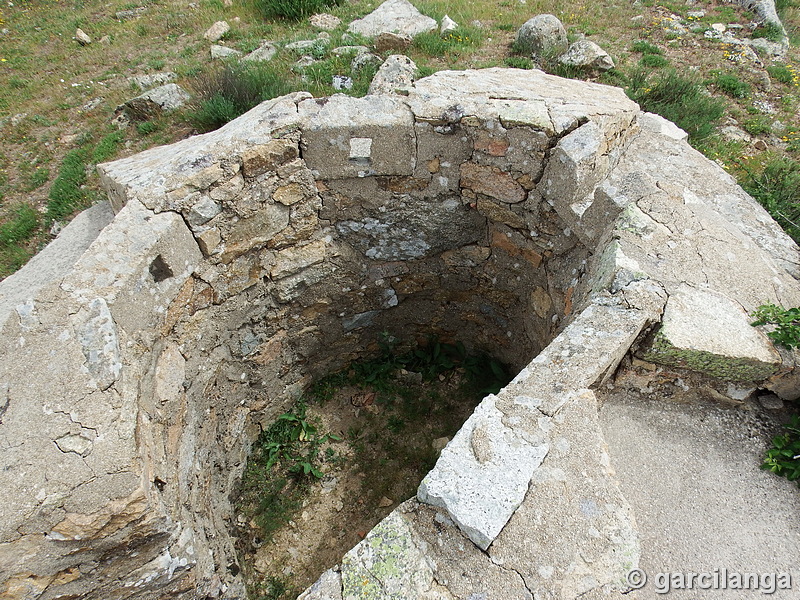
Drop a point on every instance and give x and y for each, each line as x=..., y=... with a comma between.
x=777, y=188
x=292, y=10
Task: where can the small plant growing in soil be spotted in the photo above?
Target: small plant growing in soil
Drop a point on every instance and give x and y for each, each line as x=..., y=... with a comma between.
x=786, y=323
x=784, y=457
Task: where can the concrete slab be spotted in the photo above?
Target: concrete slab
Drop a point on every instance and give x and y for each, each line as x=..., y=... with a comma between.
x=702, y=504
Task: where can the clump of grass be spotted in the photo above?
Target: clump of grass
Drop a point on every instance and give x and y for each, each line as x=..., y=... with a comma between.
x=787, y=74
x=451, y=45
x=731, y=85
x=232, y=90
x=107, y=147
x=519, y=62
x=655, y=61
x=645, y=47
x=757, y=125
x=680, y=99
x=292, y=10
x=777, y=188
x=66, y=193
x=20, y=226
x=768, y=31
x=319, y=76
x=37, y=178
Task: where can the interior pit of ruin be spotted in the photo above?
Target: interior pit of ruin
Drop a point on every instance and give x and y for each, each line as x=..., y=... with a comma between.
x=546, y=222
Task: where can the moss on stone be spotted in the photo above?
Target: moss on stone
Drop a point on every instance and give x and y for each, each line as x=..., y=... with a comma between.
x=727, y=368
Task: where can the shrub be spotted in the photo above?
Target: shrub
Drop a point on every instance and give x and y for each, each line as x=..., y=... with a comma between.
x=519, y=62
x=784, y=456
x=757, y=125
x=292, y=10
x=680, y=99
x=731, y=85
x=777, y=188
x=646, y=48
x=232, y=90
x=655, y=61
x=787, y=74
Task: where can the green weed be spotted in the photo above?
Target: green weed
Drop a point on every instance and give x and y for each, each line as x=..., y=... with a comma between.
x=292, y=10
x=21, y=224
x=787, y=74
x=519, y=62
x=777, y=188
x=784, y=457
x=757, y=125
x=786, y=324
x=66, y=194
x=655, y=61
x=645, y=47
x=768, y=31
x=107, y=147
x=677, y=98
x=731, y=85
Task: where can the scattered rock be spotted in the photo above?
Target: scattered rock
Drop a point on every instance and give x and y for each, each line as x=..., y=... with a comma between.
x=303, y=62
x=220, y=52
x=447, y=26
x=82, y=38
x=718, y=27
x=585, y=54
x=342, y=50
x=362, y=61
x=387, y=42
x=396, y=74
x=216, y=31
x=134, y=13
x=774, y=50
x=92, y=104
x=105, y=40
x=342, y=82
x=439, y=443
x=396, y=16
x=696, y=14
x=760, y=145
x=308, y=44
x=770, y=402
x=266, y=51
x=385, y=502
x=735, y=134
x=151, y=80
x=151, y=104
x=542, y=36
x=324, y=21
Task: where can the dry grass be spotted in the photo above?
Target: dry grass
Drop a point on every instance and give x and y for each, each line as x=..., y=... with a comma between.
x=57, y=97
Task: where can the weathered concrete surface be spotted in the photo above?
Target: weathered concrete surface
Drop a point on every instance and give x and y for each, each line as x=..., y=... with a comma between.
x=56, y=260
x=702, y=503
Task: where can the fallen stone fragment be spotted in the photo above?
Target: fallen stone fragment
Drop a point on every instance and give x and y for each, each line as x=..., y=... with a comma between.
x=221, y=52
x=447, y=26
x=324, y=21
x=82, y=38
x=387, y=41
x=216, y=31
x=266, y=51
x=145, y=82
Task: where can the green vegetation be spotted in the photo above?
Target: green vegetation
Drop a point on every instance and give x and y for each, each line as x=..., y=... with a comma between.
x=777, y=188
x=66, y=194
x=654, y=61
x=677, y=98
x=232, y=90
x=731, y=85
x=768, y=31
x=519, y=62
x=784, y=457
x=787, y=74
x=786, y=324
x=645, y=47
x=293, y=10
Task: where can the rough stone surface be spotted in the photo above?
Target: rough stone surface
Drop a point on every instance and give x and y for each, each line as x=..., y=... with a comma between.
x=585, y=54
x=447, y=26
x=151, y=80
x=395, y=76
x=266, y=51
x=393, y=16
x=221, y=52
x=542, y=36
x=82, y=37
x=151, y=104
x=217, y=31
x=388, y=42
x=523, y=214
x=324, y=21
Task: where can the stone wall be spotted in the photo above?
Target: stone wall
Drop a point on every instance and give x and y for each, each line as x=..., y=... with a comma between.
x=488, y=207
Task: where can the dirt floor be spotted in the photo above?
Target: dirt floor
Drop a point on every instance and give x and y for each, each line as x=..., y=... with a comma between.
x=390, y=437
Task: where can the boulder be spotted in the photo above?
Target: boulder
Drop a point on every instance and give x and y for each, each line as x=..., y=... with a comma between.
x=395, y=16
x=585, y=54
x=82, y=38
x=542, y=36
x=216, y=31
x=151, y=80
x=266, y=51
x=388, y=41
x=220, y=52
x=396, y=74
x=151, y=104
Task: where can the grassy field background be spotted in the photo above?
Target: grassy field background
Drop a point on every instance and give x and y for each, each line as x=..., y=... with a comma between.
x=58, y=98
